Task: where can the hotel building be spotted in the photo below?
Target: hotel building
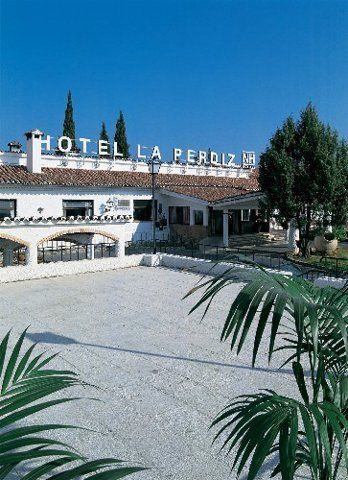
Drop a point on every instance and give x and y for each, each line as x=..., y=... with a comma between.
x=101, y=203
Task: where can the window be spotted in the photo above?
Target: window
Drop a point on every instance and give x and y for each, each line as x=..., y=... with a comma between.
x=246, y=215
x=73, y=208
x=142, y=210
x=198, y=217
x=179, y=215
x=7, y=208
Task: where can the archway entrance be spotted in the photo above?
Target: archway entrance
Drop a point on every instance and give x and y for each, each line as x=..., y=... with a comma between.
x=73, y=246
x=12, y=252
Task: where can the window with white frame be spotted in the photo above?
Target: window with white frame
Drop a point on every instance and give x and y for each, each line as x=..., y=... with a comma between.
x=7, y=208
x=179, y=215
x=74, y=208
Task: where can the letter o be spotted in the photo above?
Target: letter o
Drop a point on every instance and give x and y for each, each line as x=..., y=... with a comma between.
x=69, y=142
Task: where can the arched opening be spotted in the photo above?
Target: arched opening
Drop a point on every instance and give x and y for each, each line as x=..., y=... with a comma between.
x=72, y=245
x=13, y=251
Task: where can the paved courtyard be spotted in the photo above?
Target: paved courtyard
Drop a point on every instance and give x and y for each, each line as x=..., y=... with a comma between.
x=163, y=375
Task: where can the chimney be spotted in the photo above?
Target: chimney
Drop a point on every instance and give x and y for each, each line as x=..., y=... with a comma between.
x=34, y=150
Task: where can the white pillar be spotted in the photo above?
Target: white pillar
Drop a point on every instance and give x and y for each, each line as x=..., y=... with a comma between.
x=90, y=252
x=192, y=216
x=205, y=216
x=8, y=255
x=34, y=150
x=31, y=255
x=225, y=227
x=121, y=248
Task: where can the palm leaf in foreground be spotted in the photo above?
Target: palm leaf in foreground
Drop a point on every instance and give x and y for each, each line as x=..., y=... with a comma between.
x=297, y=317
x=268, y=425
x=25, y=382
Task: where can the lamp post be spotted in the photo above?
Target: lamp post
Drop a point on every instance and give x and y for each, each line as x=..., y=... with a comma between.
x=154, y=168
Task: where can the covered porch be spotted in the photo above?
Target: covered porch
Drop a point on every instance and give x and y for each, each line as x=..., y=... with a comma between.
x=237, y=216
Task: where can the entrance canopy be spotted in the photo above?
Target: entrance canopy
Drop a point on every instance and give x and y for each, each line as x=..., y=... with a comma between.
x=239, y=214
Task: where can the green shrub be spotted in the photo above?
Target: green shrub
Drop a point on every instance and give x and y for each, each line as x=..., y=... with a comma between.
x=341, y=233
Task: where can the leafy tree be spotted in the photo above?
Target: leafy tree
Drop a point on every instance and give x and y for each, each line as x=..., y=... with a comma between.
x=25, y=384
x=307, y=432
x=340, y=198
x=104, y=136
x=69, y=124
x=121, y=136
x=301, y=174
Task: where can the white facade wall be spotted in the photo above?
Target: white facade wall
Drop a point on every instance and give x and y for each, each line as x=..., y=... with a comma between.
x=30, y=199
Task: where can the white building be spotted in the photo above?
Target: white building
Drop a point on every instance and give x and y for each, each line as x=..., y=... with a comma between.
x=87, y=207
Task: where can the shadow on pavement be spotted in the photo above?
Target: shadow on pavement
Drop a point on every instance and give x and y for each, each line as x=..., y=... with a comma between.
x=55, y=339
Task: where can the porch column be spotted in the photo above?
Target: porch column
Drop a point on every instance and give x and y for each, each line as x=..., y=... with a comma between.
x=225, y=227
x=8, y=255
x=31, y=255
x=206, y=216
x=192, y=216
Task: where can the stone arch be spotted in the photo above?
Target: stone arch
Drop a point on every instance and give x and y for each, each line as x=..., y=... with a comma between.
x=12, y=238
x=71, y=231
x=13, y=250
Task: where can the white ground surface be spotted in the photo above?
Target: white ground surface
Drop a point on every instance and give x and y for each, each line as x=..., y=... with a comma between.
x=163, y=375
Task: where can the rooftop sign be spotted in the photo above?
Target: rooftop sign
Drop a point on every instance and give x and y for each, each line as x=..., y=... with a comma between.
x=190, y=157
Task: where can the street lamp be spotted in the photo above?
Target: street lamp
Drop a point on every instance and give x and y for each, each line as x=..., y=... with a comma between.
x=154, y=168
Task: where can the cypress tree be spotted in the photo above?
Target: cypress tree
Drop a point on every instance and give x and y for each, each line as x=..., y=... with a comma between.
x=69, y=124
x=121, y=136
x=104, y=136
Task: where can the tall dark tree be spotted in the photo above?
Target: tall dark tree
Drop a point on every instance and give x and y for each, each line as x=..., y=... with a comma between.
x=104, y=136
x=69, y=124
x=301, y=174
x=121, y=136
x=340, y=203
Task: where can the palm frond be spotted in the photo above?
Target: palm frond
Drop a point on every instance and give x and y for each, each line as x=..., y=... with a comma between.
x=319, y=316
x=300, y=319
x=25, y=384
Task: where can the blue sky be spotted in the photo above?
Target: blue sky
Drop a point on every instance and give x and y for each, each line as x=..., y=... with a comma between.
x=220, y=74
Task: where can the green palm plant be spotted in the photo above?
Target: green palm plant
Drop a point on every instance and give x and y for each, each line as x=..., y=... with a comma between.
x=308, y=323
x=25, y=382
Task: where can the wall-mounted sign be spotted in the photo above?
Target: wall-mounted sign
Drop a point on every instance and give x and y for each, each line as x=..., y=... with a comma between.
x=189, y=157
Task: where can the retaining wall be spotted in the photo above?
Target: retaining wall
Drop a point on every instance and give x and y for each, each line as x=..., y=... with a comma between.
x=194, y=265
x=58, y=269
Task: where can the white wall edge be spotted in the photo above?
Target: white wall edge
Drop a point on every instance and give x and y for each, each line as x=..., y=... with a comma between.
x=193, y=265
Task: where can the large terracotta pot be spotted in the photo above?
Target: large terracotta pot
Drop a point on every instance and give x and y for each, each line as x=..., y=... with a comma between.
x=322, y=245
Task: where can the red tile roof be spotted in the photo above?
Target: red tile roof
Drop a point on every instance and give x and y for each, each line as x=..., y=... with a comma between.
x=207, y=187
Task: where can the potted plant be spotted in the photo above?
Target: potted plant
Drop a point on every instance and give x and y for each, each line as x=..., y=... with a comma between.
x=326, y=243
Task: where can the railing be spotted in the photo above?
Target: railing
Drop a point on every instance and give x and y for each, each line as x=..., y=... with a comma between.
x=67, y=253
x=208, y=252
x=19, y=255
x=270, y=259
x=147, y=237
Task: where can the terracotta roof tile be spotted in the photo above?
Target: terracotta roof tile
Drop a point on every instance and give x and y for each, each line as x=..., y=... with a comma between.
x=207, y=188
